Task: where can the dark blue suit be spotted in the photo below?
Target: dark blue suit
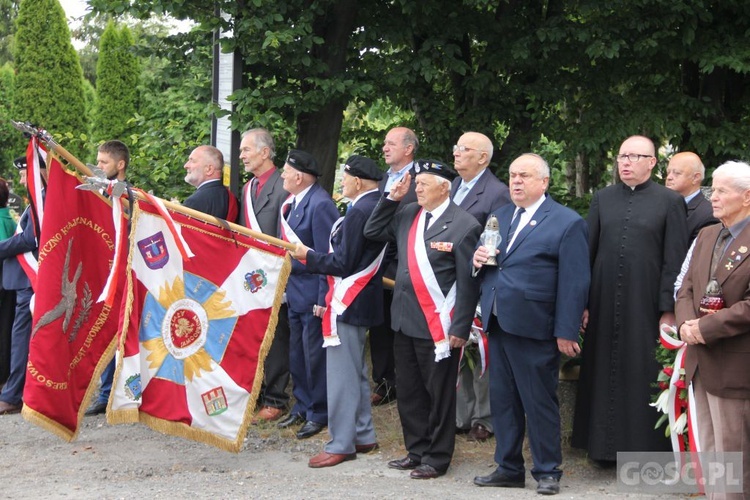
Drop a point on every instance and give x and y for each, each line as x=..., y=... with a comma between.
x=311, y=221
x=349, y=413
x=352, y=253
x=539, y=290
x=14, y=278
x=486, y=196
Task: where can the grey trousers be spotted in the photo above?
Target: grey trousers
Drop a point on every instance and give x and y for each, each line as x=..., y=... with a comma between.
x=349, y=411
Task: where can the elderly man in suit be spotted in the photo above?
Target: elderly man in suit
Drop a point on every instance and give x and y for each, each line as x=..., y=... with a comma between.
x=399, y=149
x=354, y=303
x=204, y=171
x=685, y=174
x=262, y=197
x=306, y=217
x=716, y=361
x=433, y=306
x=15, y=278
x=533, y=301
x=480, y=193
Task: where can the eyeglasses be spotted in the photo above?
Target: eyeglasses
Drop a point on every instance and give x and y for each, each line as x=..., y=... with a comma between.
x=632, y=157
x=462, y=149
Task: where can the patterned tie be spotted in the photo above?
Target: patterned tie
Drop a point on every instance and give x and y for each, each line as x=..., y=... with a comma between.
x=427, y=217
x=514, y=224
x=719, y=247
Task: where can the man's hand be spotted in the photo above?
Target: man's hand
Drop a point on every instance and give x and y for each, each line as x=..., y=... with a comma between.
x=299, y=253
x=400, y=188
x=690, y=332
x=481, y=255
x=568, y=347
x=318, y=311
x=455, y=342
x=668, y=318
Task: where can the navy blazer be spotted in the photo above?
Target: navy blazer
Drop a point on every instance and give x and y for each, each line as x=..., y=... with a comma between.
x=352, y=252
x=456, y=227
x=14, y=277
x=311, y=221
x=212, y=198
x=486, y=196
x=541, y=285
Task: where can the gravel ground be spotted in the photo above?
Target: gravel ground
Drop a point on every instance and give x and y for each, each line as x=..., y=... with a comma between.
x=132, y=461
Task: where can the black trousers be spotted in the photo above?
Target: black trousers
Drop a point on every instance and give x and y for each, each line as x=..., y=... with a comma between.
x=276, y=374
x=426, y=400
x=381, y=351
x=7, y=313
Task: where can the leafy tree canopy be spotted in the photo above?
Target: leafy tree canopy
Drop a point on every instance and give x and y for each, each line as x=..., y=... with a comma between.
x=571, y=78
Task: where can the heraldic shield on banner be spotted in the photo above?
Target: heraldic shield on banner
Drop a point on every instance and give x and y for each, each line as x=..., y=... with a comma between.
x=196, y=331
x=73, y=335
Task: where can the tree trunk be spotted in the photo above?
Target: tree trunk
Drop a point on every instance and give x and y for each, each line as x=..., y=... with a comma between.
x=318, y=131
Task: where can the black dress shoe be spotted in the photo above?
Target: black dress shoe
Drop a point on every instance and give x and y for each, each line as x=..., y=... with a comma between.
x=425, y=471
x=290, y=420
x=97, y=408
x=501, y=480
x=310, y=429
x=405, y=463
x=548, y=485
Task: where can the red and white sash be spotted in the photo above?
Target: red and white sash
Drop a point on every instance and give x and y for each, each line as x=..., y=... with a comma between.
x=287, y=233
x=436, y=307
x=247, y=207
x=343, y=291
x=34, y=153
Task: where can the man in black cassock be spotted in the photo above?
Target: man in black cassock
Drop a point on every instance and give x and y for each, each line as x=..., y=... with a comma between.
x=637, y=241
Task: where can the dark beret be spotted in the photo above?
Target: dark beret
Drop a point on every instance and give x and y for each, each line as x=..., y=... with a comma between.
x=363, y=167
x=434, y=167
x=303, y=161
x=20, y=162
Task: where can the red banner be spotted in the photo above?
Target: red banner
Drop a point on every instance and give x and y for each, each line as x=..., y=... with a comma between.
x=73, y=335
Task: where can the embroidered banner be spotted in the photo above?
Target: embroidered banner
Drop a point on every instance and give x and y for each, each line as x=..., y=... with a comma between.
x=196, y=331
x=72, y=337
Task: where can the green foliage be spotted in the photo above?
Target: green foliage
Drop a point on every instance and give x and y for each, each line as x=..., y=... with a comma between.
x=117, y=73
x=173, y=119
x=331, y=76
x=49, y=81
x=8, y=12
x=12, y=141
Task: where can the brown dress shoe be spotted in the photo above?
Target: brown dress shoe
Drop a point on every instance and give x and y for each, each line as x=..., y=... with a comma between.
x=325, y=459
x=479, y=433
x=366, y=448
x=268, y=414
x=9, y=409
x=425, y=471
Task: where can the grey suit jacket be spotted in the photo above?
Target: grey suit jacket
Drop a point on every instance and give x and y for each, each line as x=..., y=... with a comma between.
x=267, y=205
x=454, y=226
